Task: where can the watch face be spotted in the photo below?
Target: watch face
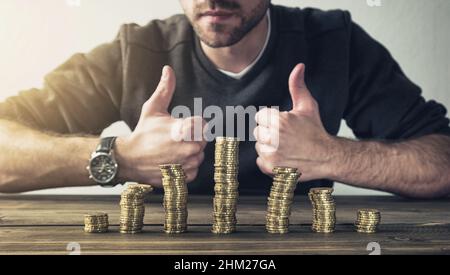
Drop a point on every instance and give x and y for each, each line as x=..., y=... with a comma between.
x=103, y=168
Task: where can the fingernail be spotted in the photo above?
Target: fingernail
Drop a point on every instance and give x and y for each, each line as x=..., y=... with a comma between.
x=301, y=71
x=164, y=74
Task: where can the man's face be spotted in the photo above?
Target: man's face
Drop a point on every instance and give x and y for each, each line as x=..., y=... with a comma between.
x=223, y=23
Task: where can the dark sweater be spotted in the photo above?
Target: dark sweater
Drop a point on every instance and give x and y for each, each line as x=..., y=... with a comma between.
x=351, y=76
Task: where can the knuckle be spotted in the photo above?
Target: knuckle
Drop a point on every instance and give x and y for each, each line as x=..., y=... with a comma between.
x=258, y=136
x=266, y=168
x=255, y=133
x=191, y=175
x=260, y=163
x=258, y=148
x=269, y=168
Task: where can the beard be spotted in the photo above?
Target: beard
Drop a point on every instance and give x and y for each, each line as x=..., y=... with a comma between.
x=218, y=35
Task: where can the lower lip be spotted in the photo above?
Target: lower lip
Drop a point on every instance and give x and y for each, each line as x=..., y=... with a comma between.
x=217, y=18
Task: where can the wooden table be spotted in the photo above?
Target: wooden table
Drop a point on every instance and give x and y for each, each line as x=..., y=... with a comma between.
x=47, y=224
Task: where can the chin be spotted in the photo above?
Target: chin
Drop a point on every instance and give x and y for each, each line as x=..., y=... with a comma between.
x=218, y=44
x=217, y=41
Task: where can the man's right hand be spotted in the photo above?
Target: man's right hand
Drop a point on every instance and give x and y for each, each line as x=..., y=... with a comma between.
x=160, y=139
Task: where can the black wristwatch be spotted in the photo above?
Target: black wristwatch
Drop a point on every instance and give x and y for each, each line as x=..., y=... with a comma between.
x=102, y=165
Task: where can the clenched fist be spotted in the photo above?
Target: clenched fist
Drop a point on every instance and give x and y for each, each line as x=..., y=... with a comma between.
x=161, y=139
x=296, y=138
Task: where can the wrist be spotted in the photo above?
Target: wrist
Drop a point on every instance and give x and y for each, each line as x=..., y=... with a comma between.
x=335, y=160
x=123, y=159
x=84, y=148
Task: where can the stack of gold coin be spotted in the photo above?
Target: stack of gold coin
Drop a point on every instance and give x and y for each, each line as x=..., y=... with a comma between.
x=96, y=223
x=280, y=199
x=368, y=220
x=324, y=210
x=175, y=198
x=226, y=169
x=132, y=208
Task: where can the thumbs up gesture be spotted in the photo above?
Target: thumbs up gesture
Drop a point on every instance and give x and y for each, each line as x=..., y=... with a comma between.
x=161, y=139
x=296, y=138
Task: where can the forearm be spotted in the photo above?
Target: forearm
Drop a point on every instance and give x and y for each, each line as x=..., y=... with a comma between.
x=32, y=160
x=417, y=168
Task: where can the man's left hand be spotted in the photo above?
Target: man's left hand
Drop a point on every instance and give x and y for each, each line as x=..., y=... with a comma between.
x=296, y=138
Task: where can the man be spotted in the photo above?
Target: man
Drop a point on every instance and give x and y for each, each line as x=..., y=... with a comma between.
x=316, y=67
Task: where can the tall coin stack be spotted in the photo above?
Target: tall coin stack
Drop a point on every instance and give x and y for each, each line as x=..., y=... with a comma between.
x=96, y=223
x=324, y=210
x=280, y=199
x=132, y=208
x=175, y=198
x=226, y=169
x=368, y=221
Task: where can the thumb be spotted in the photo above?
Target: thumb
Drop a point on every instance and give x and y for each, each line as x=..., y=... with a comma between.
x=162, y=97
x=302, y=99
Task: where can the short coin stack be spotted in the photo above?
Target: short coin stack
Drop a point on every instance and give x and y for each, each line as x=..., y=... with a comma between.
x=324, y=210
x=96, y=223
x=132, y=208
x=226, y=169
x=175, y=198
x=368, y=221
x=280, y=199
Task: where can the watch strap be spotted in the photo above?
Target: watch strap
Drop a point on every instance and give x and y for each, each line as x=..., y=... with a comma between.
x=106, y=145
